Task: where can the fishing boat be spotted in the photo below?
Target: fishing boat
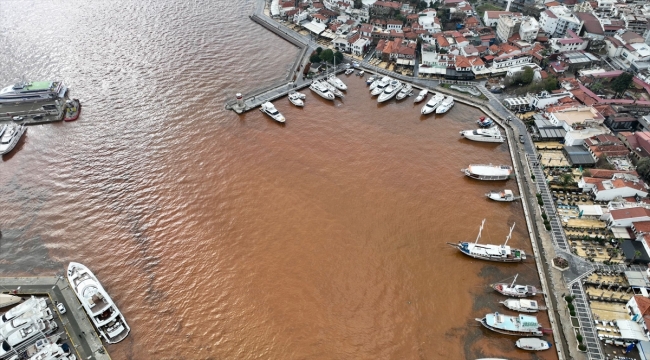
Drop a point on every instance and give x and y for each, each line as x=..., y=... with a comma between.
x=488, y=172
x=381, y=86
x=505, y=195
x=432, y=104
x=523, y=305
x=421, y=95
x=445, y=105
x=406, y=91
x=333, y=89
x=72, y=110
x=322, y=90
x=11, y=137
x=498, y=253
x=269, y=109
x=512, y=325
x=297, y=98
x=484, y=122
x=514, y=290
x=349, y=71
x=533, y=344
x=336, y=82
x=390, y=91
x=484, y=135
x=370, y=80
x=101, y=309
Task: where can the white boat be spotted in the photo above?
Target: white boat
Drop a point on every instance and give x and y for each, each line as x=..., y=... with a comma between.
x=8, y=300
x=322, y=90
x=269, y=109
x=514, y=290
x=492, y=134
x=488, y=172
x=489, y=252
x=336, y=82
x=446, y=104
x=370, y=80
x=421, y=95
x=432, y=104
x=52, y=351
x=390, y=91
x=333, y=89
x=361, y=73
x=297, y=98
x=505, y=195
x=380, y=85
x=406, y=91
x=101, y=309
x=349, y=71
x=512, y=325
x=27, y=306
x=522, y=305
x=11, y=137
x=533, y=344
x=19, y=335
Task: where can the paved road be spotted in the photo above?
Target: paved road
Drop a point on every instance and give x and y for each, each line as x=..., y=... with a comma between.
x=81, y=333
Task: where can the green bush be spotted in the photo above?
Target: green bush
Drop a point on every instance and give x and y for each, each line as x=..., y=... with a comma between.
x=572, y=313
x=532, y=176
x=547, y=226
x=582, y=347
x=579, y=338
x=544, y=217
x=568, y=299
x=570, y=306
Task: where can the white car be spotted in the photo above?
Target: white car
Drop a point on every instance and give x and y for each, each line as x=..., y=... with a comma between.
x=60, y=307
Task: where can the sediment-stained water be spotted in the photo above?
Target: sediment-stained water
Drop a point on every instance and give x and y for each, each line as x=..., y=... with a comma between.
x=233, y=237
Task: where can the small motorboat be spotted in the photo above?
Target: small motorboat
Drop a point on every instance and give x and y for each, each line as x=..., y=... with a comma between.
x=484, y=122
x=515, y=290
x=505, y=195
x=406, y=91
x=421, y=95
x=370, y=80
x=297, y=98
x=349, y=71
x=522, y=305
x=533, y=344
x=361, y=73
x=271, y=111
x=72, y=110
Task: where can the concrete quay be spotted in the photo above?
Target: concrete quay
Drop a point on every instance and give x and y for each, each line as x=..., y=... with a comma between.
x=81, y=334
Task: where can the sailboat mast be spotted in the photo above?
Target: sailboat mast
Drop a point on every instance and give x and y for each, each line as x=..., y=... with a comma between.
x=513, y=281
x=509, y=235
x=479, y=232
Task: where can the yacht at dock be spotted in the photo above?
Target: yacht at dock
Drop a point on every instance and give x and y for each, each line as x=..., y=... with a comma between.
x=498, y=253
x=445, y=105
x=101, y=309
x=297, y=98
x=390, y=91
x=269, y=109
x=421, y=95
x=484, y=135
x=406, y=91
x=432, y=104
x=515, y=290
x=512, y=325
x=11, y=137
x=332, y=89
x=522, y=305
x=505, y=195
x=322, y=90
x=380, y=85
x=336, y=82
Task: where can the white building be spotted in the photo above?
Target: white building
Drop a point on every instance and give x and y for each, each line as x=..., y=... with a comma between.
x=538, y=101
x=623, y=185
x=625, y=217
x=427, y=19
x=570, y=42
x=557, y=20
x=360, y=46
x=628, y=50
x=490, y=18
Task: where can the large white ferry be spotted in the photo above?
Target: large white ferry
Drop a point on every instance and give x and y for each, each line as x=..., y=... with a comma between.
x=484, y=135
x=100, y=308
x=488, y=172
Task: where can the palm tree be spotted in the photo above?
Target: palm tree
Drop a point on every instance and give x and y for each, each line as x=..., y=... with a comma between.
x=614, y=253
x=637, y=254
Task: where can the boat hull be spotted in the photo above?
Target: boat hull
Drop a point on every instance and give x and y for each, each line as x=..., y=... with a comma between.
x=497, y=197
x=14, y=140
x=533, y=344
x=485, y=177
x=469, y=135
x=500, y=289
x=493, y=258
x=509, y=332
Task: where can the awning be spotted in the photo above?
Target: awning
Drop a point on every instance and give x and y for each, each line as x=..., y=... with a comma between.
x=405, y=62
x=644, y=349
x=314, y=27
x=630, y=330
x=621, y=233
x=329, y=34
x=636, y=279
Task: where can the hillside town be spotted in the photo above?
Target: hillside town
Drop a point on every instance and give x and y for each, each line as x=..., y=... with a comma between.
x=577, y=73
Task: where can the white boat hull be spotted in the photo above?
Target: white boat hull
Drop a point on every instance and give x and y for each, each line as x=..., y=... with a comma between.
x=8, y=300
x=6, y=148
x=445, y=106
x=421, y=96
x=337, y=83
x=471, y=135
x=322, y=91
x=533, y=344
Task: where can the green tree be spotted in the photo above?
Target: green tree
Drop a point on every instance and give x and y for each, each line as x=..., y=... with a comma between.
x=643, y=168
x=527, y=76
x=358, y=4
x=622, y=83
x=338, y=56
x=314, y=58
x=567, y=180
x=327, y=55
x=597, y=86
x=319, y=50
x=550, y=83
x=603, y=163
x=586, y=173
x=422, y=5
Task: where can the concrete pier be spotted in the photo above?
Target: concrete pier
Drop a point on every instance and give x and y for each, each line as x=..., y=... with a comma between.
x=81, y=335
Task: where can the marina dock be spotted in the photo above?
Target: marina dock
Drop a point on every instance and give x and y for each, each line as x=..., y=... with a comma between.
x=77, y=330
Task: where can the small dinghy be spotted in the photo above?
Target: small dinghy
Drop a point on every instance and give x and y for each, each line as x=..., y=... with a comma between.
x=505, y=195
x=72, y=110
x=406, y=91
x=484, y=122
x=421, y=95
x=361, y=73
x=297, y=98
x=370, y=80
x=533, y=344
x=349, y=71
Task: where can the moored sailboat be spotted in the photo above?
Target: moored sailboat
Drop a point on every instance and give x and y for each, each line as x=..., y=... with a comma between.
x=515, y=290
x=498, y=253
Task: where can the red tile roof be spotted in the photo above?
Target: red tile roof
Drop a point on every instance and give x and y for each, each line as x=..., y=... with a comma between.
x=629, y=213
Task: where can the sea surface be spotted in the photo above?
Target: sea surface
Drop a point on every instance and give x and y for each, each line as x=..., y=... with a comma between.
x=224, y=236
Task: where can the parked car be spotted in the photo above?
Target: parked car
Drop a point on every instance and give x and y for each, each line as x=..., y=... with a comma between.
x=521, y=138
x=60, y=307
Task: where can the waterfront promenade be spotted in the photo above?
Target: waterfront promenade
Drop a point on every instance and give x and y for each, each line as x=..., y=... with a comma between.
x=81, y=334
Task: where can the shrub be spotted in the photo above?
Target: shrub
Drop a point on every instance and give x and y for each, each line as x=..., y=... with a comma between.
x=544, y=216
x=572, y=313
x=582, y=347
x=532, y=176
x=547, y=226
x=579, y=338
x=571, y=307
x=568, y=299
